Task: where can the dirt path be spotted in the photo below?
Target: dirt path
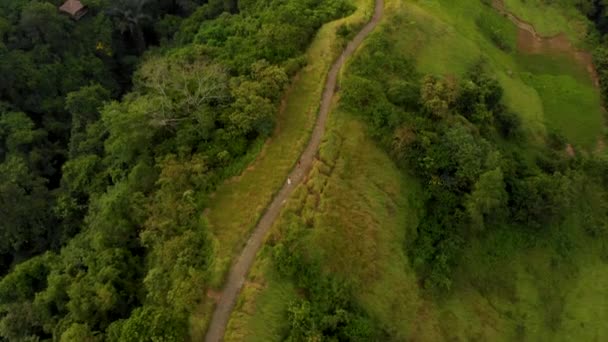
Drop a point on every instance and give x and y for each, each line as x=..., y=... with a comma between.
x=531, y=42
x=239, y=270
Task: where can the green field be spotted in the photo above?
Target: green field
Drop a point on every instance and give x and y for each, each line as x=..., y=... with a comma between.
x=361, y=210
x=452, y=40
x=344, y=209
x=551, y=18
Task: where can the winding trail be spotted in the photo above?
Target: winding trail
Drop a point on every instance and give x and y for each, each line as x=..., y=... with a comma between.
x=239, y=270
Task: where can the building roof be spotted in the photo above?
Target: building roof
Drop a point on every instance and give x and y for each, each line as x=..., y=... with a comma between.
x=73, y=7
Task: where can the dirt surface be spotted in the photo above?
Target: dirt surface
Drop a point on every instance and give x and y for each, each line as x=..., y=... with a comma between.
x=239, y=270
x=531, y=42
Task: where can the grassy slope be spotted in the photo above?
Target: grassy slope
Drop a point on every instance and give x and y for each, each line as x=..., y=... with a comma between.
x=551, y=19
x=547, y=91
x=360, y=225
x=504, y=292
x=350, y=216
x=238, y=204
x=447, y=40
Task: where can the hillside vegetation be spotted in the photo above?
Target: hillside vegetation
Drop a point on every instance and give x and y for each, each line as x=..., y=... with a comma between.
x=460, y=193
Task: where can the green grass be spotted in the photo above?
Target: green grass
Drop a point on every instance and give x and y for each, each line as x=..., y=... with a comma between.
x=361, y=223
x=264, y=318
x=512, y=289
x=238, y=204
x=550, y=19
x=499, y=31
x=553, y=65
x=570, y=107
x=571, y=104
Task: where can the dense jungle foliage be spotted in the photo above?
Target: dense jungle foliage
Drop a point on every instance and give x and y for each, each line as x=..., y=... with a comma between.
x=113, y=131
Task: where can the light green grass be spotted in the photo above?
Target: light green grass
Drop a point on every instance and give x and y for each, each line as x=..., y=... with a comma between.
x=550, y=19
x=261, y=310
x=571, y=104
x=586, y=304
x=238, y=204
x=570, y=107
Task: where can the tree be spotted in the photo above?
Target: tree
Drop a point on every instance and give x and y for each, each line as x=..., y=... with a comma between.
x=255, y=99
x=437, y=95
x=179, y=89
x=17, y=134
x=148, y=324
x=467, y=152
x=360, y=93
x=130, y=132
x=509, y=124
x=19, y=322
x=405, y=94
x=488, y=200
x=20, y=319
x=84, y=105
x=272, y=79
x=79, y=333
x=540, y=200
x=42, y=24
x=130, y=16
x=25, y=222
x=251, y=112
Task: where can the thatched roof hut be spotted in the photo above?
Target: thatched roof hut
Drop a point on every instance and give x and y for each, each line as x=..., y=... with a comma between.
x=74, y=8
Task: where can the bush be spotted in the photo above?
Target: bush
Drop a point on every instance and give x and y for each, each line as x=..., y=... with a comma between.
x=149, y=324
x=508, y=124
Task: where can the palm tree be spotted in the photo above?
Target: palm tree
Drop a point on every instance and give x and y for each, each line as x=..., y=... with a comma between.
x=129, y=16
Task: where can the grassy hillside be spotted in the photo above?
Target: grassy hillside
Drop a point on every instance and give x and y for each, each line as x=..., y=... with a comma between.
x=551, y=18
x=358, y=213
x=447, y=37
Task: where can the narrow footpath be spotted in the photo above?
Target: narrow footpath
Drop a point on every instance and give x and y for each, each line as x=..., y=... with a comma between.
x=239, y=270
